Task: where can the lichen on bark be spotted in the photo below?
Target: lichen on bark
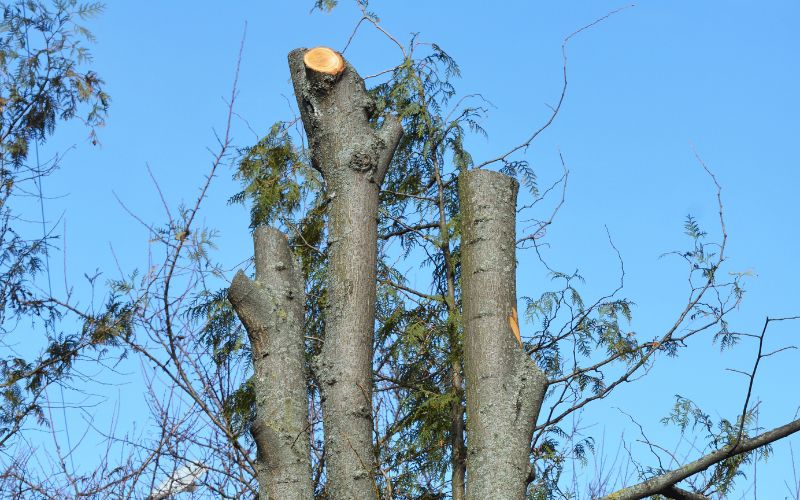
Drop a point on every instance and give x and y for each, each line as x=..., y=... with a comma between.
x=505, y=388
x=353, y=153
x=271, y=309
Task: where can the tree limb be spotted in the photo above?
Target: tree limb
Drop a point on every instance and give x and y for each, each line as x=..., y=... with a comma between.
x=661, y=483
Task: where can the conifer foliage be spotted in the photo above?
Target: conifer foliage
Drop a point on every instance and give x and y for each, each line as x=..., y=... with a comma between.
x=43, y=82
x=374, y=346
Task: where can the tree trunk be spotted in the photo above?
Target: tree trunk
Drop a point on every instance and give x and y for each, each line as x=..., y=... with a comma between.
x=352, y=154
x=271, y=308
x=505, y=388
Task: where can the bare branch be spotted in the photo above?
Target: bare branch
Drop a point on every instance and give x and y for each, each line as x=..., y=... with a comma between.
x=659, y=483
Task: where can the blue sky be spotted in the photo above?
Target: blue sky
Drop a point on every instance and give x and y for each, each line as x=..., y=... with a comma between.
x=646, y=87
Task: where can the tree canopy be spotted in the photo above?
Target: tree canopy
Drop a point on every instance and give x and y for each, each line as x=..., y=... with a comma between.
x=359, y=226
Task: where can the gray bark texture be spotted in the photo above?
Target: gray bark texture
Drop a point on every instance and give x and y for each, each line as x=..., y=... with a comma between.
x=271, y=308
x=505, y=388
x=352, y=154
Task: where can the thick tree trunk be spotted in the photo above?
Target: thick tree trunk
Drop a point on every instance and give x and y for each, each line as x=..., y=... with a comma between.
x=505, y=388
x=271, y=308
x=353, y=155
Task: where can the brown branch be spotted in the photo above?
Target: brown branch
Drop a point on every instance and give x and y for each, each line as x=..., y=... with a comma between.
x=660, y=483
x=557, y=108
x=680, y=494
x=437, y=298
x=408, y=229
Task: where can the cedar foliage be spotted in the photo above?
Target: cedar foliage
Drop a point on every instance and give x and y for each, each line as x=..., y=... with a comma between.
x=44, y=81
x=418, y=336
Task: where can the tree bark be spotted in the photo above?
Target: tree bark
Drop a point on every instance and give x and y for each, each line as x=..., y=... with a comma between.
x=505, y=388
x=352, y=154
x=676, y=493
x=271, y=308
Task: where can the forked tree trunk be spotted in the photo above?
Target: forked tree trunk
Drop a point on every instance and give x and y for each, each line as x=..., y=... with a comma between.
x=505, y=388
x=352, y=154
x=271, y=308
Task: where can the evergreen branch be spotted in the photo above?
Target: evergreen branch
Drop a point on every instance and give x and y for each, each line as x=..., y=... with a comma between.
x=437, y=298
x=408, y=229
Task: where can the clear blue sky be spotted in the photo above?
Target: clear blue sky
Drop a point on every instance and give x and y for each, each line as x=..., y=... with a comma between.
x=646, y=86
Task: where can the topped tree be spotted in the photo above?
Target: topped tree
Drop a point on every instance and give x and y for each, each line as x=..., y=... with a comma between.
x=352, y=147
x=338, y=115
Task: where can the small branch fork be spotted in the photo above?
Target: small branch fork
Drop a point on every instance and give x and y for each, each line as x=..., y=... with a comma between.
x=186, y=393
x=666, y=483
x=752, y=375
x=661, y=484
x=646, y=351
x=557, y=107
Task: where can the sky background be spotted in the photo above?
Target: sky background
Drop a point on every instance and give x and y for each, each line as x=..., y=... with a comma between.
x=647, y=87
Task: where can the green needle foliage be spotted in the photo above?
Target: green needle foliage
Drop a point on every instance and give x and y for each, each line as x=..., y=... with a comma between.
x=268, y=171
x=722, y=476
x=43, y=81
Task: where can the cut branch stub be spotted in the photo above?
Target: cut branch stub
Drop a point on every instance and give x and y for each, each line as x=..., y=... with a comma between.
x=337, y=110
x=324, y=60
x=271, y=309
x=323, y=66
